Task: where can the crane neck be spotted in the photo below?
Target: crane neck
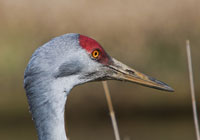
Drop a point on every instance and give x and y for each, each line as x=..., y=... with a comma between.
x=51, y=125
x=49, y=118
x=47, y=106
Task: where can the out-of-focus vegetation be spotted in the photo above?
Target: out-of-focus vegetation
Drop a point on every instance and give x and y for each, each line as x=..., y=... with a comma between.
x=146, y=35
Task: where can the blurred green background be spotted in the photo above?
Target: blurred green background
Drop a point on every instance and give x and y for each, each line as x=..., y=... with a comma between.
x=146, y=35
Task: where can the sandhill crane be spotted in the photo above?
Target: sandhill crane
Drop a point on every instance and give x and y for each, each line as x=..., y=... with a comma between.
x=59, y=65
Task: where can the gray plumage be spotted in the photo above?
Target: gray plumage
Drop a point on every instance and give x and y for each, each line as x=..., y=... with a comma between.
x=59, y=65
x=53, y=70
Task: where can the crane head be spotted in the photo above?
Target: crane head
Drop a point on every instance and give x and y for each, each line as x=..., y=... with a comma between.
x=80, y=59
x=62, y=63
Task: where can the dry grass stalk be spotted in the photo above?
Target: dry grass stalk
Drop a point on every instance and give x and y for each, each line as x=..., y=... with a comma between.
x=112, y=113
x=192, y=90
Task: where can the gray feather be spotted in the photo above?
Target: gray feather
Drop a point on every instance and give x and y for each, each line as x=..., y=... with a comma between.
x=53, y=70
x=69, y=68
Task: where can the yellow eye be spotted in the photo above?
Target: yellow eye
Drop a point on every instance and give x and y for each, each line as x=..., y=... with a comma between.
x=95, y=53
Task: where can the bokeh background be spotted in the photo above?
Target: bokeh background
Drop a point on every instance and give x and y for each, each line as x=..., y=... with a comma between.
x=146, y=35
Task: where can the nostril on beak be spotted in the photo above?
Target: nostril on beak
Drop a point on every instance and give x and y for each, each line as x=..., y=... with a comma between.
x=130, y=72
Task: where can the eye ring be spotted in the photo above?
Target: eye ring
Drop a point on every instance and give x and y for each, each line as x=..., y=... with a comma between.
x=95, y=54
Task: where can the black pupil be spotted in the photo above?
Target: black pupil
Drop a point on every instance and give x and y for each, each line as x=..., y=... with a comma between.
x=95, y=53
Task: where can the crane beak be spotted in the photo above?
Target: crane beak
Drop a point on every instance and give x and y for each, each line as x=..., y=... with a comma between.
x=122, y=72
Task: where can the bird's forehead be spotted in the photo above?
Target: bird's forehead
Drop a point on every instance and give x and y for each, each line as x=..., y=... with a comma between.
x=89, y=44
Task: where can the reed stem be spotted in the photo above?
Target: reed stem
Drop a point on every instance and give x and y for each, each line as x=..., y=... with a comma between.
x=192, y=89
x=112, y=113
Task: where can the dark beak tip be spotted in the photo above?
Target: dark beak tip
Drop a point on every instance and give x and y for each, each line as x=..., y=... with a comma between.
x=169, y=89
x=164, y=85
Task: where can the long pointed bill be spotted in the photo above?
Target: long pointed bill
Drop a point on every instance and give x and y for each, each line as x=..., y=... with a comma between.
x=123, y=72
